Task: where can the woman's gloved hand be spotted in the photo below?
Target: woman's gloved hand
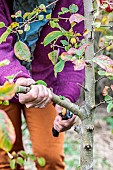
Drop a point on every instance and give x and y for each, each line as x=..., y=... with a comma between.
x=39, y=95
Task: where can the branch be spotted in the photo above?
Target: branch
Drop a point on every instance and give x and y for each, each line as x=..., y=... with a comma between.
x=56, y=99
x=35, y=16
x=101, y=49
x=102, y=102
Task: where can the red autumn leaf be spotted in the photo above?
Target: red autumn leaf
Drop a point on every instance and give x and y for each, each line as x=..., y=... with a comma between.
x=109, y=4
x=76, y=18
x=7, y=91
x=105, y=91
x=105, y=62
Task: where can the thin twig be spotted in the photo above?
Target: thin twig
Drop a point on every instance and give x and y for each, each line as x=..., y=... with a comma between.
x=100, y=79
x=82, y=87
x=102, y=102
x=101, y=49
x=30, y=20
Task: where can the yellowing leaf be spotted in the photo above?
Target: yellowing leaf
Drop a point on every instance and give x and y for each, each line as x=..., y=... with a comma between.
x=22, y=51
x=7, y=91
x=73, y=40
x=109, y=47
x=26, y=15
x=105, y=20
x=14, y=25
x=5, y=35
x=53, y=56
x=7, y=132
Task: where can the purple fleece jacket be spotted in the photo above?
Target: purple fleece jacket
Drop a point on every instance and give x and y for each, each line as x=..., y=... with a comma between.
x=66, y=82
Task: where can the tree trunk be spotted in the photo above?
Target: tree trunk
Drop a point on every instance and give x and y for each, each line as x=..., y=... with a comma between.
x=87, y=127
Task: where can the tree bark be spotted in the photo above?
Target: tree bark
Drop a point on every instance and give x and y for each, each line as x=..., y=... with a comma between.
x=87, y=127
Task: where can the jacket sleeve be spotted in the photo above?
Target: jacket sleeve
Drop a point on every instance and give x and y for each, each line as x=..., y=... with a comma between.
x=68, y=79
x=7, y=52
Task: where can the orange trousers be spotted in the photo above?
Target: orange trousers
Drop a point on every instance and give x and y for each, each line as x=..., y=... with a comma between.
x=40, y=123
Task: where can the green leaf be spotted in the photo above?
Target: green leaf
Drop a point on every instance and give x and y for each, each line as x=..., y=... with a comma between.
x=18, y=14
x=42, y=7
x=101, y=73
x=59, y=67
x=22, y=51
x=64, y=42
x=60, y=13
x=32, y=157
x=20, y=31
x=110, y=77
x=4, y=62
x=109, y=107
x=64, y=10
x=40, y=17
x=6, y=102
x=53, y=56
x=2, y=24
x=51, y=37
x=48, y=16
x=109, y=37
x=97, y=24
x=108, y=98
x=7, y=132
x=23, y=154
x=20, y=161
x=27, y=27
x=13, y=164
x=1, y=102
x=41, y=161
x=52, y=24
x=73, y=8
x=67, y=47
x=62, y=97
x=41, y=82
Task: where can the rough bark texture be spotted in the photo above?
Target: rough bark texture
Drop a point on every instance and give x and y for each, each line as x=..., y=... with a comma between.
x=87, y=126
